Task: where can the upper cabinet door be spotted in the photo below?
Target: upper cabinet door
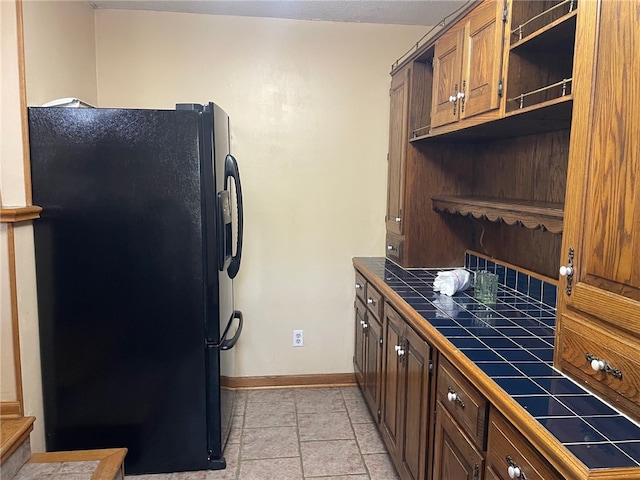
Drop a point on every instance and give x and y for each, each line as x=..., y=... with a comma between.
x=447, y=73
x=602, y=208
x=398, y=139
x=482, y=60
x=468, y=66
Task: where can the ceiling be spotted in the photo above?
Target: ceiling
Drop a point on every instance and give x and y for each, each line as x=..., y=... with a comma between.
x=412, y=12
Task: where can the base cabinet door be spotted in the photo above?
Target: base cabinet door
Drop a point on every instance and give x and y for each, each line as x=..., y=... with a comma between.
x=393, y=397
x=359, y=351
x=373, y=365
x=407, y=397
x=455, y=458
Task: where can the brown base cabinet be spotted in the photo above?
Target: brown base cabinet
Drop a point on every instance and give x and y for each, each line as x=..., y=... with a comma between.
x=407, y=400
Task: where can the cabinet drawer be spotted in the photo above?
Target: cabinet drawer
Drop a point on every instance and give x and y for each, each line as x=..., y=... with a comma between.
x=374, y=301
x=508, y=449
x=463, y=402
x=394, y=246
x=360, y=286
x=607, y=361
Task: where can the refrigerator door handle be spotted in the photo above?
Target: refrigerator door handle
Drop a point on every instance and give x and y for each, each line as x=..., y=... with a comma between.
x=231, y=170
x=228, y=344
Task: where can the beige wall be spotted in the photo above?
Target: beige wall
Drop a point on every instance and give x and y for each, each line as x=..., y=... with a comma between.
x=59, y=51
x=308, y=103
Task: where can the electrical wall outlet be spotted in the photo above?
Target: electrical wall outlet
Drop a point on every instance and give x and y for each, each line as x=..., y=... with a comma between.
x=298, y=338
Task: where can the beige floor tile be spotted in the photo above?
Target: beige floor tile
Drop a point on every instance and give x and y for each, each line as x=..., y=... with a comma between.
x=369, y=438
x=271, y=469
x=269, y=395
x=237, y=423
x=345, y=477
x=324, y=426
x=270, y=414
x=350, y=392
x=273, y=442
x=358, y=410
x=333, y=457
x=312, y=400
x=380, y=467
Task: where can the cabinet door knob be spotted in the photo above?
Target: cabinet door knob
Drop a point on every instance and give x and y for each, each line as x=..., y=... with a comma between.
x=566, y=271
x=358, y=286
x=391, y=248
x=514, y=472
x=398, y=219
x=452, y=396
x=371, y=301
x=397, y=347
x=452, y=98
x=597, y=365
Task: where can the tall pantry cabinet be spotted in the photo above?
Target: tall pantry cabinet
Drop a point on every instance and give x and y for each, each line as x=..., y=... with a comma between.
x=599, y=296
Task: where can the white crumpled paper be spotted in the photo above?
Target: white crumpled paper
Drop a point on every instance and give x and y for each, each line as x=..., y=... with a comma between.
x=451, y=281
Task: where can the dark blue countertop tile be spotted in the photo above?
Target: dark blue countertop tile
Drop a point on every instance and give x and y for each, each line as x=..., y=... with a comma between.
x=586, y=405
x=534, y=370
x=499, y=369
x=544, y=406
x=519, y=386
x=571, y=430
x=615, y=428
x=601, y=455
x=559, y=386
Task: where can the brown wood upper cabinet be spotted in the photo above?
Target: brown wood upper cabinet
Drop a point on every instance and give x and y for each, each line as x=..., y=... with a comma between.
x=468, y=66
x=601, y=239
x=398, y=125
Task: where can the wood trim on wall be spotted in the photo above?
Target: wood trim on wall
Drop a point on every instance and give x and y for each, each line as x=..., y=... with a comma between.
x=22, y=79
x=10, y=409
x=15, y=329
x=19, y=214
x=313, y=380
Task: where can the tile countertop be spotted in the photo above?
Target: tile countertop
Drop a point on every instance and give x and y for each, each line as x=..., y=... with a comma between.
x=512, y=343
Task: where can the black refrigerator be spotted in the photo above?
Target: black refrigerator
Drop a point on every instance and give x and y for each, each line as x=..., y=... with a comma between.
x=139, y=240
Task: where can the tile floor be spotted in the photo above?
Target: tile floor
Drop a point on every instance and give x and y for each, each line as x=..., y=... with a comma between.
x=299, y=434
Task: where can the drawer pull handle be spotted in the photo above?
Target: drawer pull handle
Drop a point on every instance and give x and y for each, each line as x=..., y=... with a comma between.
x=371, y=301
x=514, y=469
x=599, y=365
x=452, y=396
x=358, y=286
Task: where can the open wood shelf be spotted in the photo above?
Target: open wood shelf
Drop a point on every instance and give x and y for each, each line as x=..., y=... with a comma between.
x=530, y=214
x=543, y=117
x=557, y=34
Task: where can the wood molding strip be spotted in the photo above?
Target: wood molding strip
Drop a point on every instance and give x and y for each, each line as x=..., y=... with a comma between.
x=19, y=214
x=313, y=380
x=22, y=79
x=15, y=326
x=10, y=410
